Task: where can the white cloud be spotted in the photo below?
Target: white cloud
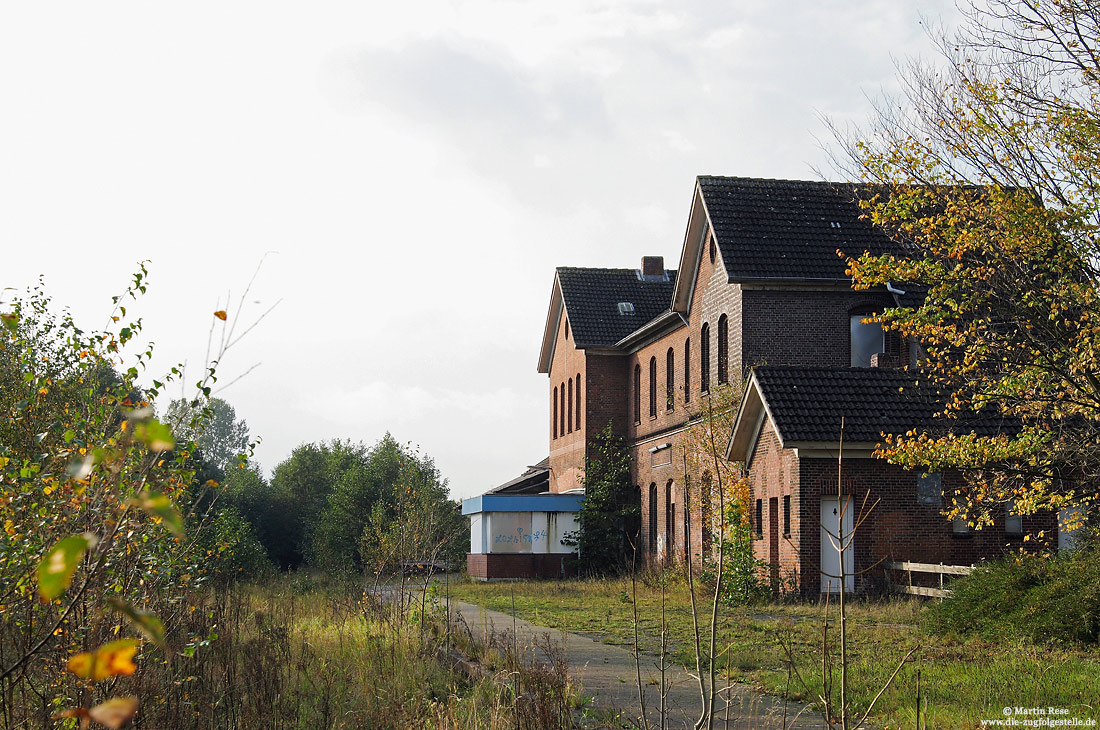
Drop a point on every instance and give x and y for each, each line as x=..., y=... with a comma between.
x=420, y=168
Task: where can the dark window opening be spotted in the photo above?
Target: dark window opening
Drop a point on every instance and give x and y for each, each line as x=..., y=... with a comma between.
x=653, y=518
x=687, y=370
x=705, y=512
x=723, y=349
x=561, y=408
x=760, y=518
x=569, y=408
x=670, y=521
x=555, y=411
x=787, y=514
x=578, y=401
x=670, y=380
x=637, y=394
x=652, y=387
x=704, y=358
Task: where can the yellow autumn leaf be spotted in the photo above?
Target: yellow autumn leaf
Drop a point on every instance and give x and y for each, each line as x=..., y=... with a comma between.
x=220, y=314
x=110, y=660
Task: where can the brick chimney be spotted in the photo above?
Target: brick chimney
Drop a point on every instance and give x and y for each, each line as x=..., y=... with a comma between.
x=653, y=265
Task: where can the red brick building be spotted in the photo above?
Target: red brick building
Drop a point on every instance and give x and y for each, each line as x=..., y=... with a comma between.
x=759, y=282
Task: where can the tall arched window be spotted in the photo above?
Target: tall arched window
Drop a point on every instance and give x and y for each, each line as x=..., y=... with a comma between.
x=637, y=394
x=670, y=379
x=704, y=358
x=687, y=370
x=578, y=401
x=652, y=387
x=723, y=350
x=705, y=503
x=569, y=408
x=561, y=407
x=555, y=411
x=653, y=518
x=670, y=521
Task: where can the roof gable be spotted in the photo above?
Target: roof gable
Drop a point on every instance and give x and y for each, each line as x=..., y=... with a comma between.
x=592, y=298
x=805, y=406
x=787, y=229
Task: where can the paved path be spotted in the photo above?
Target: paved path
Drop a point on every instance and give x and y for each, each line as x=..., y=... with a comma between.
x=609, y=675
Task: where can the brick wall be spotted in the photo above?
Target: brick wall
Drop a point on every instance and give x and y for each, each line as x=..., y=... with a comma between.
x=513, y=566
x=899, y=527
x=795, y=327
x=567, y=449
x=774, y=474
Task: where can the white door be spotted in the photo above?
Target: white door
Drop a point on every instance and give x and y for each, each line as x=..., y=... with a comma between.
x=833, y=521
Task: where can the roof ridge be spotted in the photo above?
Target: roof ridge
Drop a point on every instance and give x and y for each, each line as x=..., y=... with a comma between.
x=784, y=180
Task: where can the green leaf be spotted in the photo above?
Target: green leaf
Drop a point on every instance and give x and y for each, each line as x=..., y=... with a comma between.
x=10, y=320
x=155, y=435
x=159, y=506
x=56, y=570
x=145, y=622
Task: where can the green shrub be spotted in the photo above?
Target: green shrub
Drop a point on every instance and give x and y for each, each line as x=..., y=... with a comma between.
x=1027, y=597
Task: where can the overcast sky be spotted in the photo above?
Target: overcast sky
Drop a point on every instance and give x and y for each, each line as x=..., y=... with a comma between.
x=416, y=170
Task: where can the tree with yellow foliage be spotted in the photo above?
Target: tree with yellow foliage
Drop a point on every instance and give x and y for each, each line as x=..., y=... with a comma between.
x=988, y=172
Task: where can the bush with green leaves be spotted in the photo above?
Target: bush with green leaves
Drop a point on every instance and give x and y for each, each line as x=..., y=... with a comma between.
x=96, y=499
x=1024, y=596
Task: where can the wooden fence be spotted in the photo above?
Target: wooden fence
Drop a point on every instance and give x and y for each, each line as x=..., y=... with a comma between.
x=940, y=569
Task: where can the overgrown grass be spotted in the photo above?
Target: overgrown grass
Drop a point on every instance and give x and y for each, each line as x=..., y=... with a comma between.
x=320, y=654
x=963, y=680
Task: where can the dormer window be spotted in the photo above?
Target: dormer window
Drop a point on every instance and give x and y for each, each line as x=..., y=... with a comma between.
x=626, y=308
x=867, y=339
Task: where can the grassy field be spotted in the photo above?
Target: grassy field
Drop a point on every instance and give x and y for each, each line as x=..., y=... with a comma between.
x=304, y=653
x=962, y=681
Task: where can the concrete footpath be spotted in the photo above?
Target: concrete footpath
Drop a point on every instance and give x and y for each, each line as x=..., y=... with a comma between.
x=608, y=674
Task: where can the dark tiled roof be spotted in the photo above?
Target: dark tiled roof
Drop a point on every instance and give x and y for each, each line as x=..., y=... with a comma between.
x=592, y=299
x=807, y=404
x=788, y=229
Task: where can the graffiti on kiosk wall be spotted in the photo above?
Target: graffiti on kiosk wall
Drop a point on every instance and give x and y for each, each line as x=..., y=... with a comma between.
x=519, y=537
x=511, y=532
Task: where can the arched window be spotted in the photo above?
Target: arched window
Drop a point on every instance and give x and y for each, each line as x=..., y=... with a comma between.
x=670, y=520
x=569, y=408
x=555, y=411
x=578, y=401
x=561, y=411
x=705, y=505
x=637, y=394
x=723, y=350
x=652, y=387
x=704, y=358
x=670, y=379
x=687, y=370
x=653, y=518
